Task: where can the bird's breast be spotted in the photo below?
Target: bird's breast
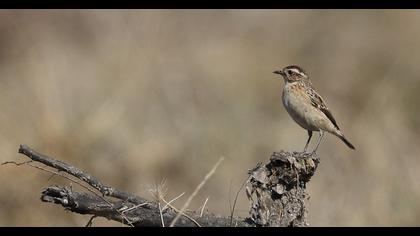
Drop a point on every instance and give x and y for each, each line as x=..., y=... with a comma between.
x=294, y=97
x=297, y=104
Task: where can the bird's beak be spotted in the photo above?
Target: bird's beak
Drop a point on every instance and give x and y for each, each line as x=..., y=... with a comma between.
x=280, y=72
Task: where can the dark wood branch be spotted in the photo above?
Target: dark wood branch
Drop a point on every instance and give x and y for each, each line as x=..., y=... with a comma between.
x=76, y=172
x=144, y=215
x=276, y=190
x=127, y=208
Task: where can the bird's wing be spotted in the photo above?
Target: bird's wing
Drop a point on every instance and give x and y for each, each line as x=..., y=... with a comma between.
x=317, y=102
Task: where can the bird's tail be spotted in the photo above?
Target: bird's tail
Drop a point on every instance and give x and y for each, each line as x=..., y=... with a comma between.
x=347, y=142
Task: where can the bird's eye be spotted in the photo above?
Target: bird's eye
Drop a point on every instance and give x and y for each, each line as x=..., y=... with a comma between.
x=289, y=72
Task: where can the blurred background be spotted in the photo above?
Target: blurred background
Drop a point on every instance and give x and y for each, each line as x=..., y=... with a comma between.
x=138, y=96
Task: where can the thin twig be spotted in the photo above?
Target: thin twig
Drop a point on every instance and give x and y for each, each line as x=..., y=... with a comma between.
x=62, y=175
x=230, y=194
x=78, y=173
x=178, y=211
x=161, y=216
x=134, y=207
x=18, y=164
x=164, y=208
x=204, y=206
x=71, y=180
x=187, y=203
x=90, y=222
x=236, y=198
x=49, y=178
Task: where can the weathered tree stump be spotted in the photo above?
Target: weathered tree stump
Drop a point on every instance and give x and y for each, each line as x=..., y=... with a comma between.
x=277, y=189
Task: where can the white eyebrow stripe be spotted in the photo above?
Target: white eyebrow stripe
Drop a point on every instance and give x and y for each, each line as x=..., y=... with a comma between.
x=295, y=70
x=298, y=72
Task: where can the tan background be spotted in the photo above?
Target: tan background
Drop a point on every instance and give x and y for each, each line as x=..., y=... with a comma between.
x=135, y=96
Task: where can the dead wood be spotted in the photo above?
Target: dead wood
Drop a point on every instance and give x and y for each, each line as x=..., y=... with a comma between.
x=276, y=191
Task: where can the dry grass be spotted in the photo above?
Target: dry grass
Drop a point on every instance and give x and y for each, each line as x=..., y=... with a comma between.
x=195, y=192
x=134, y=96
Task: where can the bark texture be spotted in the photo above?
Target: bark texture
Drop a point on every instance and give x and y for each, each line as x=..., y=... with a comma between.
x=276, y=191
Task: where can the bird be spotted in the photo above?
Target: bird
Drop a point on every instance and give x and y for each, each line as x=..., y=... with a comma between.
x=306, y=106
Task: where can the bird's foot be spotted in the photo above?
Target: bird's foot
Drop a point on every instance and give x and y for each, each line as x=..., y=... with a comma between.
x=305, y=154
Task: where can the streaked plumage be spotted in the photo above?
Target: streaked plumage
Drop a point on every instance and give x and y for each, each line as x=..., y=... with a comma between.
x=306, y=106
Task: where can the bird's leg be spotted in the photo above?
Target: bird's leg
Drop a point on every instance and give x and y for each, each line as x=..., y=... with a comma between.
x=321, y=134
x=307, y=142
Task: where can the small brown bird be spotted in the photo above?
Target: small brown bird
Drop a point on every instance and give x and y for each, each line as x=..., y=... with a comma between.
x=306, y=106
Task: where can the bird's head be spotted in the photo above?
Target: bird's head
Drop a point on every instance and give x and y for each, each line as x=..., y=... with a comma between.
x=292, y=73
